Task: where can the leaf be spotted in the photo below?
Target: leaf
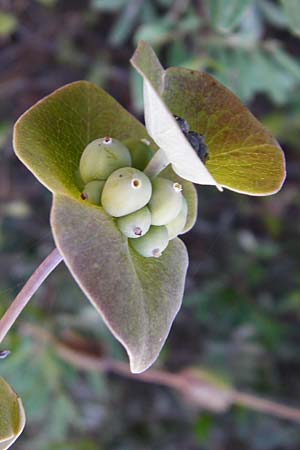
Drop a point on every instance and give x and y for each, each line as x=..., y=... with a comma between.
x=137, y=297
x=225, y=15
x=292, y=12
x=108, y=5
x=243, y=156
x=50, y=137
x=12, y=415
x=8, y=24
x=160, y=122
x=272, y=13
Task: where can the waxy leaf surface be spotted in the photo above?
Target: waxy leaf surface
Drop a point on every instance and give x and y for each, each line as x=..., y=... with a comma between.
x=243, y=156
x=12, y=415
x=50, y=137
x=137, y=297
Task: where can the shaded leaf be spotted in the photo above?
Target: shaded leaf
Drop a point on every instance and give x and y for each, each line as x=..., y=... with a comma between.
x=225, y=15
x=50, y=137
x=12, y=415
x=8, y=24
x=292, y=12
x=137, y=297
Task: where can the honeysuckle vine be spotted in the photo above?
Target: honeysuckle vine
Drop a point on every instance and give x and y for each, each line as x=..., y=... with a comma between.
x=138, y=297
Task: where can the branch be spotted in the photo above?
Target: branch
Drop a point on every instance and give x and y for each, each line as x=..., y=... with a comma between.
x=195, y=385
x=29, y=289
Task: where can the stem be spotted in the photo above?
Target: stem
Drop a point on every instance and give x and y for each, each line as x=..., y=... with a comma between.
x=28, y=290
x=267, y=406
x=89, y=360
x=156, y=164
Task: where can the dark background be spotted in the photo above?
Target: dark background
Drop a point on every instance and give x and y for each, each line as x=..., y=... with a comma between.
x=241, y=313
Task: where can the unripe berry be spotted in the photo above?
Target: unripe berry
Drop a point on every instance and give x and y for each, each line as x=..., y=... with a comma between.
x=166, y=201
x=102, y=157
x=140, y=153
x=153, y=243
x=126, y=190
x=92, y=191
x=135, y=224
x=176, y=226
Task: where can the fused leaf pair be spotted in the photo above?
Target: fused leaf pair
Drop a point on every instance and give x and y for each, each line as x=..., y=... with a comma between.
x=139, y=297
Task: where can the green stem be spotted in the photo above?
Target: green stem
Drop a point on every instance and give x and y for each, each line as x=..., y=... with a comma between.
x=28, y=290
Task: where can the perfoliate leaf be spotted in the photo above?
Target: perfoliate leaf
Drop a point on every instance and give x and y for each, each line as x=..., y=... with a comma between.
x=243, y=156
x=50, y=137
x=161, y=124
x=12, y=415
x=137, y=297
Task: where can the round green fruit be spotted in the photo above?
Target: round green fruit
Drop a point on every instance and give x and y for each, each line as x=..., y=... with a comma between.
x=102, y=157
x=153, y=243
x=92, y=191
x=140, y=152
x=166, y=201
x=176, y=226
x=126, y=190
x=135, y=224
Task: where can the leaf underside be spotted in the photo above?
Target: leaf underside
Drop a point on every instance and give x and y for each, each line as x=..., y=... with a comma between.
x=243, y=156
x=137, y=297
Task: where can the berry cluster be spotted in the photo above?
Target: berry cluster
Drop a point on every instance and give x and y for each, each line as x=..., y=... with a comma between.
x=149, y=212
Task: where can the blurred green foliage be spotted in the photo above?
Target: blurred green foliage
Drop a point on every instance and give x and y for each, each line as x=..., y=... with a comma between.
x=240, y=317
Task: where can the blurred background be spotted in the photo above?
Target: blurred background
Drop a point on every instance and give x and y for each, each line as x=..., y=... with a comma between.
x=240, y=319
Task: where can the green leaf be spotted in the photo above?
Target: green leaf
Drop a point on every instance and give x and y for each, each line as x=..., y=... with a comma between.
x=160, y=122
x=137, y=297
x=108, y=5
x=292, y=12
x=225, y=15
x=243, y=156
x=50, y=137
x=8, y=24
x=12, y=415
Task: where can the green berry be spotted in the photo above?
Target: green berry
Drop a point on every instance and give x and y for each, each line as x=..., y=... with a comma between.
x=126, y=190
x=166, y=201
x=135, y=224
x=176, y=226
x=102, y=157
x=140, y=152
x=153, y=243
x=92, y=191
